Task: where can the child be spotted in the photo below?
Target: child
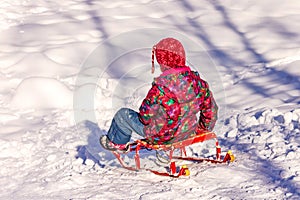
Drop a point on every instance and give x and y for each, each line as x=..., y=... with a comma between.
x=169, y=111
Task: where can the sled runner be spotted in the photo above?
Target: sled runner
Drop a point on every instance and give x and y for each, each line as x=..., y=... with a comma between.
x=138, y=145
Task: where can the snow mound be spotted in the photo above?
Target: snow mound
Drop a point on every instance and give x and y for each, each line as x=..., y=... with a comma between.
x=270, y=137
x=41, y=93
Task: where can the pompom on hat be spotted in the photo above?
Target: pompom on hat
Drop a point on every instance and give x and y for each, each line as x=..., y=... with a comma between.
x=168, y=52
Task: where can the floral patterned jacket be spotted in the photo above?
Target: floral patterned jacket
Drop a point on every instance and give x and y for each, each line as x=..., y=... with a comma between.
x=170, y=109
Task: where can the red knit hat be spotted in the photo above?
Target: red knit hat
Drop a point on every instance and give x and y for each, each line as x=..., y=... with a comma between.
x=168, y=52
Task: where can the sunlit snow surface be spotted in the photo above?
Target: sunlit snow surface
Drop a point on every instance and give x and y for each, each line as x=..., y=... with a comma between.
x=67, y=66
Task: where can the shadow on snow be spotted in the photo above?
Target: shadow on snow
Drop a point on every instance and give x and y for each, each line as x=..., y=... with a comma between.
x=266, y=168
x=279, y=77
x=93, y=150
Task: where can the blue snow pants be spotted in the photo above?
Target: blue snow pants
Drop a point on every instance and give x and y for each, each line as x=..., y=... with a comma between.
x=123, y=124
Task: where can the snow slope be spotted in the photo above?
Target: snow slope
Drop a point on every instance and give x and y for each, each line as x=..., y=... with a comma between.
x=66, y=67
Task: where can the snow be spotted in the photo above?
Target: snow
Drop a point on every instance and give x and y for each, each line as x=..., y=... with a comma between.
x=66, y=67
x=38, y=92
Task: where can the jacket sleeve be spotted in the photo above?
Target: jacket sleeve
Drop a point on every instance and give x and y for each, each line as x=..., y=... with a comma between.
x=148, y=108
x=207, y=106
x=208, y=112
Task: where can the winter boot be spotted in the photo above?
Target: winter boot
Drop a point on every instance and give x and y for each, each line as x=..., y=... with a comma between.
x=108, y=145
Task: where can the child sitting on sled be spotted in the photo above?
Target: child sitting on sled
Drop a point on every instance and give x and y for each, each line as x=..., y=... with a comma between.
x=178, y=105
